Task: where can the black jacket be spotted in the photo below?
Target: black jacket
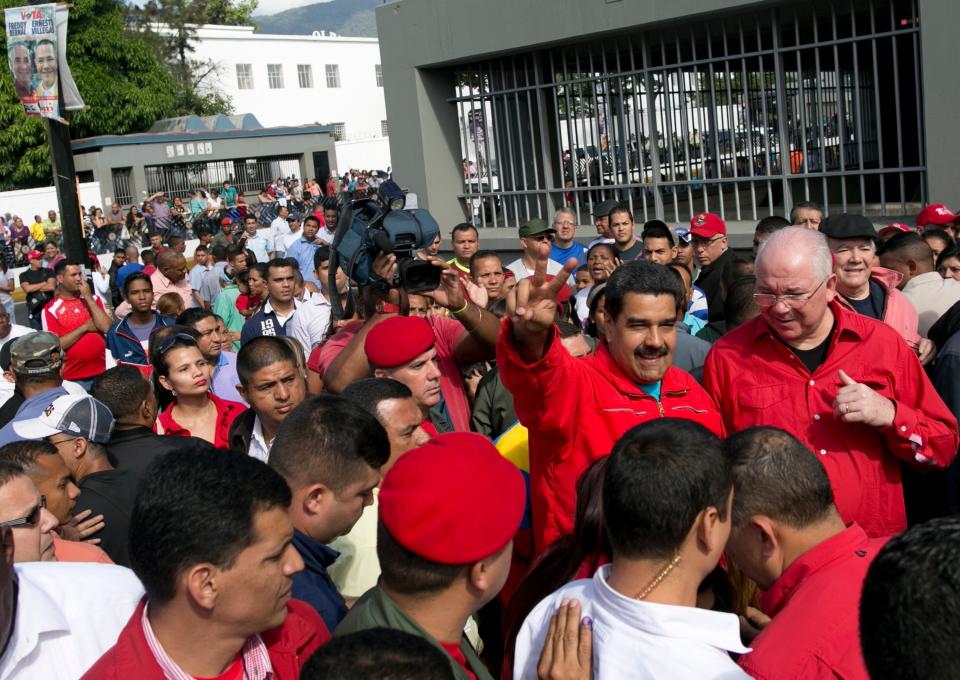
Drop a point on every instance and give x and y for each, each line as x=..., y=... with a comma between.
x=111, y=494
x=135, y=449
x=710, y=280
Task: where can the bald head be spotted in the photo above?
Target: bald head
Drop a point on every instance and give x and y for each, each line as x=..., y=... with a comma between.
x=171, y=264
x=798, y=249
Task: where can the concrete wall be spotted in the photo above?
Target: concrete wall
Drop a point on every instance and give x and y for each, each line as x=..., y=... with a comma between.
x=938, y=55
x=25, y=203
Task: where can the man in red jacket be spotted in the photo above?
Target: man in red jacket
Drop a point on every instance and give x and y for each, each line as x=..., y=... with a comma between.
x=788, y=537
x=845, y=385
x=212, y=543
x=575, y=409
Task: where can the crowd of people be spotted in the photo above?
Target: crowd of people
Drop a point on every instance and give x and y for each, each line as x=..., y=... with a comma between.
x=646, y=456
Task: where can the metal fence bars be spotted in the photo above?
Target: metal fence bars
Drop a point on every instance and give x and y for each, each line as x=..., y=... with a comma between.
x=743, y=115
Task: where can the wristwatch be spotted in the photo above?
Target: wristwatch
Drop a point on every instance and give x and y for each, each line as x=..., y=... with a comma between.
x=384, y=307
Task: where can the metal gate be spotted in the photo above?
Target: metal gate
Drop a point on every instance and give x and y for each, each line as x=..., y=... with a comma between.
x=744, y=115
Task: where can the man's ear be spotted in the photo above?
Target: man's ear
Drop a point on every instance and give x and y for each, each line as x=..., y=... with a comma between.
x=242, y=391
x=79, y=447
x=315, y=498
x=201, y=582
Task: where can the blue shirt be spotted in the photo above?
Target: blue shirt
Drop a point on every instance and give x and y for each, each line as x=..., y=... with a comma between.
x=259, y=245
x=561, y=255
x=653, y=389
x=302, y=251
x=225, y=380
x=313, y=585
x=31, y=408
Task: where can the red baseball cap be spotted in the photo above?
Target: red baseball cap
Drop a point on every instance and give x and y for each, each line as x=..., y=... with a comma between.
x=398, y=340
x=454, y=500
x=226, y=220
x=707, y=225
x=935, y=214
x=894, y=227
x=34, y=255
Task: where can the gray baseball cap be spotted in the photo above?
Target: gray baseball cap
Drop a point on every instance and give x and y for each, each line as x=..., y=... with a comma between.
x=79, y=415
x=36, y=353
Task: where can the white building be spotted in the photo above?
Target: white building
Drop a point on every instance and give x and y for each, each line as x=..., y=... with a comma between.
x=304, y=79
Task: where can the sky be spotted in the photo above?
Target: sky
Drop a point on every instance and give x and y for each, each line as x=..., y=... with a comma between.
x=274, y=6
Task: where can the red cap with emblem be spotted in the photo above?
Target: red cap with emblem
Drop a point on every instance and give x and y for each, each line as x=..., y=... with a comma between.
x=935, y=214
x=454, y=500
x=398, y=340
x=894, y=228
x=707, y=225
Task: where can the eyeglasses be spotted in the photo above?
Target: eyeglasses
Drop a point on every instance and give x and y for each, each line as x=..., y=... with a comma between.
x=167, y=343
x=790, y=300
x=566, y=223
x=541, y=237
x=700, y=244
x=33, y=517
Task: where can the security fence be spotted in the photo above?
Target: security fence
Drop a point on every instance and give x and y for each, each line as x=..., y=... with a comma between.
x=743, y=114
x=249, y=175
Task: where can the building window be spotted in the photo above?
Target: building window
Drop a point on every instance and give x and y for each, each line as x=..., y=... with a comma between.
x=378, y=69
x=339, y=130
x=333, y=75
x=305, y=75
x=275, y=76
x=384, y=129
x=244, y=77
x=122, y=185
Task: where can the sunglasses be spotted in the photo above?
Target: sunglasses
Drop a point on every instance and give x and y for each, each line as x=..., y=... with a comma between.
x=167, y=343
x=32, y=518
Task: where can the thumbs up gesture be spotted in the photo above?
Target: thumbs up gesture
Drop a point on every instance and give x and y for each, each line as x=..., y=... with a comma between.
x=857, y=403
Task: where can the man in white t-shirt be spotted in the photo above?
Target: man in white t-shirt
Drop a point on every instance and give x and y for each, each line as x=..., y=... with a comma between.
x=533, y=233
x=666, y=499
x=10, y=331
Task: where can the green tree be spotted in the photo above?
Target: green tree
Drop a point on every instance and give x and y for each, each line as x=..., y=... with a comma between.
x=119, y=77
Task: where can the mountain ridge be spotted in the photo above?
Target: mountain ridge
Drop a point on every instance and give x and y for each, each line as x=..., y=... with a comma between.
x=354, y=18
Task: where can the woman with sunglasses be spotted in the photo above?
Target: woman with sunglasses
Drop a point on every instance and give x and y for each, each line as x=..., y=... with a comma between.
x=183, y=373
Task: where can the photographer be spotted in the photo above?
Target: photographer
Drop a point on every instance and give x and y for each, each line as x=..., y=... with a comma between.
x=468, y=337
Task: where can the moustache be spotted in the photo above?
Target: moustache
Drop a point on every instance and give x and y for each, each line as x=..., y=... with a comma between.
x=651, y=354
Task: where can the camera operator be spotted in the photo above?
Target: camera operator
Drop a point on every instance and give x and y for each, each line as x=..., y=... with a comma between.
x=468, y=337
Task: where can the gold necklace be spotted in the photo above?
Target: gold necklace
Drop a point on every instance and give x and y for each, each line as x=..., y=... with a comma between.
x=658, y=579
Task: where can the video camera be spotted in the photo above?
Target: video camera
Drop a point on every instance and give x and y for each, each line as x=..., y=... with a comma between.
x=387, y=222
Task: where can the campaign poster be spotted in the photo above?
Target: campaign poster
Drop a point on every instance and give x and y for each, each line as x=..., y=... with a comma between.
x=36, y=52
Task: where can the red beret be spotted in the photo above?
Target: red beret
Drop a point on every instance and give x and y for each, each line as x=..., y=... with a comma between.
x=707, y=225
x=397, y=340
x=454, y=500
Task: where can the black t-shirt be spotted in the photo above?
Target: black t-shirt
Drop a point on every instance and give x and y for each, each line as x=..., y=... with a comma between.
x=813, y=358
x=36, y=301
x=10, y=407
x=631, y=253
x=111, y=494
x=872, y=305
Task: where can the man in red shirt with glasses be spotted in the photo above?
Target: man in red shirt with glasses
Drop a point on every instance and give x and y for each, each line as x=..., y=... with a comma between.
x=845, y=385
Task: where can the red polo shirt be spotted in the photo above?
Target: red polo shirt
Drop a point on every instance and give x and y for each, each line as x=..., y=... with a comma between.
x=227, y=412
x=815, y=605
x=86, y=358
x=757, y=380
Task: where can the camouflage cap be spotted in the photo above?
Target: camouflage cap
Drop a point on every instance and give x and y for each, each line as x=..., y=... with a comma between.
x=36, y=353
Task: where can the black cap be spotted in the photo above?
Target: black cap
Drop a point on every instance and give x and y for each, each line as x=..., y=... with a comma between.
x=848, y=226
x=604, y=208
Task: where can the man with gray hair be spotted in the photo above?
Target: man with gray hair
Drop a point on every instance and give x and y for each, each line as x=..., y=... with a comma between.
x=563, y=246
x=810, y=366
